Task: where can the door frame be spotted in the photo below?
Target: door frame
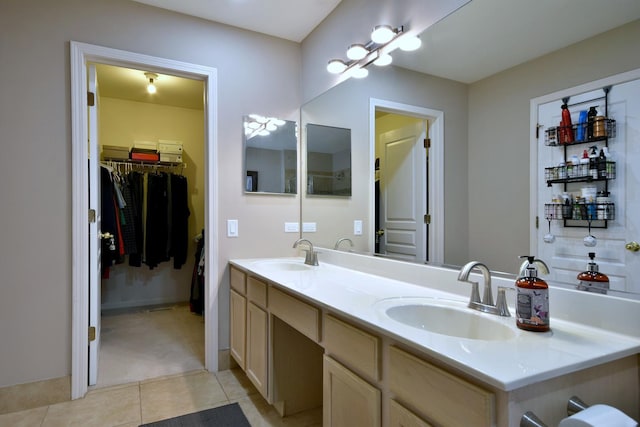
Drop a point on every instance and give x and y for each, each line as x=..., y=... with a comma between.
x=435, y=170
x=80, y=55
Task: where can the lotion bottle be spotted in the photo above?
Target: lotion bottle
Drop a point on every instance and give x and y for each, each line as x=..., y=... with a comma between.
x=532, y=300
x=592, y=280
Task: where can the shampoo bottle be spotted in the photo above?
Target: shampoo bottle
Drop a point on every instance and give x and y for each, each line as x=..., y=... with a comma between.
x=532, y=300
x=592, y=280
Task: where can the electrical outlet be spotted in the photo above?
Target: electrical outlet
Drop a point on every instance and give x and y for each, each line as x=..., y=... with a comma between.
x=309, y=227
x=291, y=227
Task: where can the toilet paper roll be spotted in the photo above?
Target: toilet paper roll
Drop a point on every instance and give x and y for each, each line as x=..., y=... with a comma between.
x=599, y=416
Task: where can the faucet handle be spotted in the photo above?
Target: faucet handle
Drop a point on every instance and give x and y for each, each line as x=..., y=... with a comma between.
x=475, y=292
x=501, y=302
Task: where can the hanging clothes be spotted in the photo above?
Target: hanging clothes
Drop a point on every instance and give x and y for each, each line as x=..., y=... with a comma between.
x=156, y=221
x=196, y=298
x=109, y=246
x=135, y=184
x=179, y=237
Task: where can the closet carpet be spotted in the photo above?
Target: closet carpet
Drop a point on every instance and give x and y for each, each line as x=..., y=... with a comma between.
x=139, y=344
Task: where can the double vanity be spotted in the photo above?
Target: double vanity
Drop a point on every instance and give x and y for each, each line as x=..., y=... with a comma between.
x=377, y=342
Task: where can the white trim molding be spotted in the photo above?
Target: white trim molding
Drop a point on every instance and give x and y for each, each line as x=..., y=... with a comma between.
x=81, y=54
x=436, y=167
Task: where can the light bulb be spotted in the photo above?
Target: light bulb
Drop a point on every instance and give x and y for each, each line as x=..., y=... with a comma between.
x=357, y=52
x=151, y=88
x=410, y=43
x=382, y=34
x=359, y=73
x=384, y=59
x=336, y=66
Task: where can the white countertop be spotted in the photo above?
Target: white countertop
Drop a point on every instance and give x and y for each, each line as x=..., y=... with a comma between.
x=527, y=358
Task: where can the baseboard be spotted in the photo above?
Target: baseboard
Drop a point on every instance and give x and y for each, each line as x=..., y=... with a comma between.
x=33, y=395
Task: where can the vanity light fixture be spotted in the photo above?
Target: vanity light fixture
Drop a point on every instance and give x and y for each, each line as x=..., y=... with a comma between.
x=152, y=77
x=384, y=40
x=257, y=125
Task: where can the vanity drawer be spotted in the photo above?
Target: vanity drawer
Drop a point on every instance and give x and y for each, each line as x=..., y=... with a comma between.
x=299, y=315
x=445, y=398
x=238, y=280
x=257, y=291
x=353, y=346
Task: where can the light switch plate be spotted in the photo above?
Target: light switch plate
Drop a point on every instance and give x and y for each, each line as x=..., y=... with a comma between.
x=291, y=227
x=309, y=227
x=232, y=228
x=357, y=227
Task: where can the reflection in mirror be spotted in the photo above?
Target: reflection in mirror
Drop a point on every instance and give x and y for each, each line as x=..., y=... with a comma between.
x=270, y=155
x=487, y=201
x=328, y=160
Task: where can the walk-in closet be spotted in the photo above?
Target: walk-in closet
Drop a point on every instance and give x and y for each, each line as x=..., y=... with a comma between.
x=151, y=186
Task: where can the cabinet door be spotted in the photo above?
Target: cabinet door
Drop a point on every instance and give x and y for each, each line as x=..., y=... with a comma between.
x=257, y=350
x=348, y=400
x=399, y=416
x=238, y=316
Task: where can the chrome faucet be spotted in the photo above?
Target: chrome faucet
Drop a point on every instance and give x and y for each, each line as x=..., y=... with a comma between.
x=544, y=269
x=485, y=305
x=312, y=256
x=344, y=239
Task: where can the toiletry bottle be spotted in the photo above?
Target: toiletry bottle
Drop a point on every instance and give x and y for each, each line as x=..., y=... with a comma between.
x=581, y=130
x=532, y=300
x=591, y=118
x=593, y=162
x=592, y=280
x=566, y=126
x=602, y=165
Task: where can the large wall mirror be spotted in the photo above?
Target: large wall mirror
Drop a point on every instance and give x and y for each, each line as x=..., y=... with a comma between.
x=328, y=162
x=486, y=131
x=270, y=155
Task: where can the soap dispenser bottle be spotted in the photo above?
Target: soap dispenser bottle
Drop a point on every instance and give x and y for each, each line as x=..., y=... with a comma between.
x=532, y=300
x=592, y=280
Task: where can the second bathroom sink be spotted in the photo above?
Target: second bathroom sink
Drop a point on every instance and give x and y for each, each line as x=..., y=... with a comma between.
x=445, y=317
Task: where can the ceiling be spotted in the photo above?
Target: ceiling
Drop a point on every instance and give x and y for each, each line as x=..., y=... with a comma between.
x=480, y=39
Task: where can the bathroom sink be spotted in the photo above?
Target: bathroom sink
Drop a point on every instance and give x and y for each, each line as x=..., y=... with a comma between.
x=445, y=317
x=283, y=265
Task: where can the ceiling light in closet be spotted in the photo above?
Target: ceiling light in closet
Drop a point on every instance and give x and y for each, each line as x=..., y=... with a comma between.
x=152, y=77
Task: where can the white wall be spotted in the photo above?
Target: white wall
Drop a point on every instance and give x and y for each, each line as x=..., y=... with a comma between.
x=256, y=73
x=499, y=137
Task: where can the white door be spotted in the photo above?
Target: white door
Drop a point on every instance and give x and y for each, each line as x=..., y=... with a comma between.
x=403, y=192
x=568, y=255
x=94, y=228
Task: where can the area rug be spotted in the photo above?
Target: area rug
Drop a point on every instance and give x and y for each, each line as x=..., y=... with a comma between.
x=223, y=416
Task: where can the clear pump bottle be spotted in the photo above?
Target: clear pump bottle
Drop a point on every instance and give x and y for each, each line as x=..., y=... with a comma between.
x=532, y=300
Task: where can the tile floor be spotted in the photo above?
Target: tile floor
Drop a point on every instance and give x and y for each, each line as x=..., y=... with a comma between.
x=130, y=405
x=151, y=368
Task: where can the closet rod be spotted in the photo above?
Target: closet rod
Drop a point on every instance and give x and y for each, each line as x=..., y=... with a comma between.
x=129, y=165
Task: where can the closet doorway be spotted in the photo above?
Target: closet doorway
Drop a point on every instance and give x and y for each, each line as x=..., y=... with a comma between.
x=151, y=311
x=82, y=55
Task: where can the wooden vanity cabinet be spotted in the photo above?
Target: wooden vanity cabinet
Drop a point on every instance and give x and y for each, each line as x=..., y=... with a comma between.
x=238, y=316
x=257, y=355
x=348, y=400
x=249, y=327
x=442, y=398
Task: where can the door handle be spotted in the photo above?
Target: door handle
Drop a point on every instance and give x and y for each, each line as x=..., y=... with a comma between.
x=633, y=246
x=106, y=235
x=380, y=232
